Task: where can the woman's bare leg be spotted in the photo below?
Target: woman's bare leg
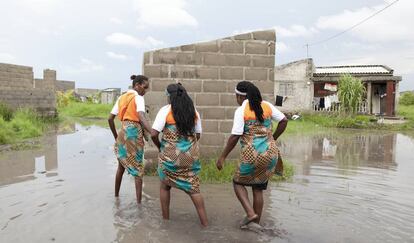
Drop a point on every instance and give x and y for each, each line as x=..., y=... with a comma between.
x=118, y=179
x=138, y=188
x=243, y=197
x=258, y=203
x=165, y=200
x=198, y=201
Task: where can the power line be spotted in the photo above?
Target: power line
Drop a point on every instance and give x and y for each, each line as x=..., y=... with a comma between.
x=350, y=28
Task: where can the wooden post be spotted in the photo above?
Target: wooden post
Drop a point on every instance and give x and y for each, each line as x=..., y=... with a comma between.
x=369, y=97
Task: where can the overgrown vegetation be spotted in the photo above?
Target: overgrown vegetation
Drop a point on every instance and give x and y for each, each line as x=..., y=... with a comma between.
x=20, y=124
x=407, y=98
x=70, y=106
x=350, y=93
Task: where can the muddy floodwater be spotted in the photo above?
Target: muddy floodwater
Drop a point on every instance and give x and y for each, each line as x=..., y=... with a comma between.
x=349, y=186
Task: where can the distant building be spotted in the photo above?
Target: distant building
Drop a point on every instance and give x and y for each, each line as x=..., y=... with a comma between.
x=306, y=87
x=84, y=94
x=110, y=95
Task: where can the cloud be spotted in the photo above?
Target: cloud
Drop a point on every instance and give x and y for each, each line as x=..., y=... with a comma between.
x=40, y=6
x=163, y=13
x=281, y=47
x=117, y=56
x=129, y=40
x=295, y=31
x=116, y=20
x=7, y=58
x=393, y=24
x=86, y=66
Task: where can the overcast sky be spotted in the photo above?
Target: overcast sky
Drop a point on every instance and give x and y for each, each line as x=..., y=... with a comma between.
x=99, y=43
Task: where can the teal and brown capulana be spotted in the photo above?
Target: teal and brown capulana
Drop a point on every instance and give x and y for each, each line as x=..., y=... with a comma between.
x=129, y=148
x=178, y=162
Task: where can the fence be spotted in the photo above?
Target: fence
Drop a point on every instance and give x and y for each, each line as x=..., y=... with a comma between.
x=336, y=107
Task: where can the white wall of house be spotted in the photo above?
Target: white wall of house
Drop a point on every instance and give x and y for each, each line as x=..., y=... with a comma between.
x=293, y=80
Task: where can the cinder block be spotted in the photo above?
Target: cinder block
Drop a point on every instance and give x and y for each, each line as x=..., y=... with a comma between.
x=156, y=71
x=189, y=58
x=212, y=59
x=210, y=46
x=231, y=73
x=164, y=57
x=210, y=126
x=187, y=72
x=272, y=48
x=207, y=73
x=226, y=126
x=256, y=73
x=212, y=112
x=263, y=61
x=212, y=139
x=255, y=47
x=246, y=36
x=191, y=85
x=146, y=58
x=271, y=74
x=156, y=98
x=160, y=84
x=230, y=112
x=228, y=100
x=237, y=60
x=204, y=99
x=264, y=35
x=210, y=152
x=190, y=47
x=214, y=86
x=231, y=46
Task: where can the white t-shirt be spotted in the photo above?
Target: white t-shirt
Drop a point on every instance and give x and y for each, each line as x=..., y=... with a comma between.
x=238, y=121
x=160, y=120
x=139, y=101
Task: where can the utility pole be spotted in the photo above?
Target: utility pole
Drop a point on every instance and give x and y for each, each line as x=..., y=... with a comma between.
x=307, y=50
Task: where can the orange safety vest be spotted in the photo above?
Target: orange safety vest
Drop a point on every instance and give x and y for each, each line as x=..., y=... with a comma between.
x=127, y=107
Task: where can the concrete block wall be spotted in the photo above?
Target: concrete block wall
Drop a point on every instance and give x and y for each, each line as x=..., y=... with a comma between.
x=299, y=75
x=17, y=89
x=63, y=86
x=210, y=71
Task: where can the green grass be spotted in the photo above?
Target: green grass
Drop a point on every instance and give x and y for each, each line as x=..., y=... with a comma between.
x=210, y=174
x=23, y=124
x=85, y=110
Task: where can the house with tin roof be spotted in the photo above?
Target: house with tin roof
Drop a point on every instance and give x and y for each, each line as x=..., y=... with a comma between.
x=305, y=86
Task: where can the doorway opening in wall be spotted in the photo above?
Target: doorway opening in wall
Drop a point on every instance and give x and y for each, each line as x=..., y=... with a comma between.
x=378, y=98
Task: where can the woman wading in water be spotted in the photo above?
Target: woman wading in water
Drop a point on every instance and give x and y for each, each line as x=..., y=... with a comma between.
x=259, y=154
x=129, y=145
x=179, y=163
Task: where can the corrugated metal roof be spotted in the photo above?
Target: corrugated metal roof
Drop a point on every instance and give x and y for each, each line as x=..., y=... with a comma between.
x=111, y=90
x=355, y=69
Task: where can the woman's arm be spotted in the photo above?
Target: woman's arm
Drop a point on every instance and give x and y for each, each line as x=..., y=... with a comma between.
x=144, y=122
x=112, y=125
x=198, y=136
x=155, y=138
x=281, y=126
x=231, y=143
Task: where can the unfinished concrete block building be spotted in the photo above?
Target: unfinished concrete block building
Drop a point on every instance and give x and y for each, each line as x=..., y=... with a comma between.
x=210, y=71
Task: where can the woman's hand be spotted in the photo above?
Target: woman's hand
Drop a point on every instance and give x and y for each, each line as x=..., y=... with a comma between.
x=220, y=163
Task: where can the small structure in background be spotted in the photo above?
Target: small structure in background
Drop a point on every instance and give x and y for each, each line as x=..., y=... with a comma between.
x=85, y=95
x=315, y=88
x=110, y=95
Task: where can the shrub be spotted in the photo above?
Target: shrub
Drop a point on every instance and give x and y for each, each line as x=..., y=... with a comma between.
x=5, y=112
x=350, y=92
x=407, y=98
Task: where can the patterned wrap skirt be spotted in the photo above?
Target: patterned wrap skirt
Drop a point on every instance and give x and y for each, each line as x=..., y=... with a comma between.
x=178, y=161
x=129, y=148
x=259, y=154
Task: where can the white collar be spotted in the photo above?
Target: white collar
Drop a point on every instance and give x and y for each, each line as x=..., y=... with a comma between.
x=132, y=91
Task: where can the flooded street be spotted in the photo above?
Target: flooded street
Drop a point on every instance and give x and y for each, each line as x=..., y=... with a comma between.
x=349, y=186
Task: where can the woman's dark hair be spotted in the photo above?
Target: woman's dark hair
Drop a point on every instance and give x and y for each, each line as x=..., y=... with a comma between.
x=138, y=79
x=254, y=97
x=183, y=109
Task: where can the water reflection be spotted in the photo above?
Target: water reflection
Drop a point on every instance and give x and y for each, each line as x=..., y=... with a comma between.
x=18, y=166
x=348, y=150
